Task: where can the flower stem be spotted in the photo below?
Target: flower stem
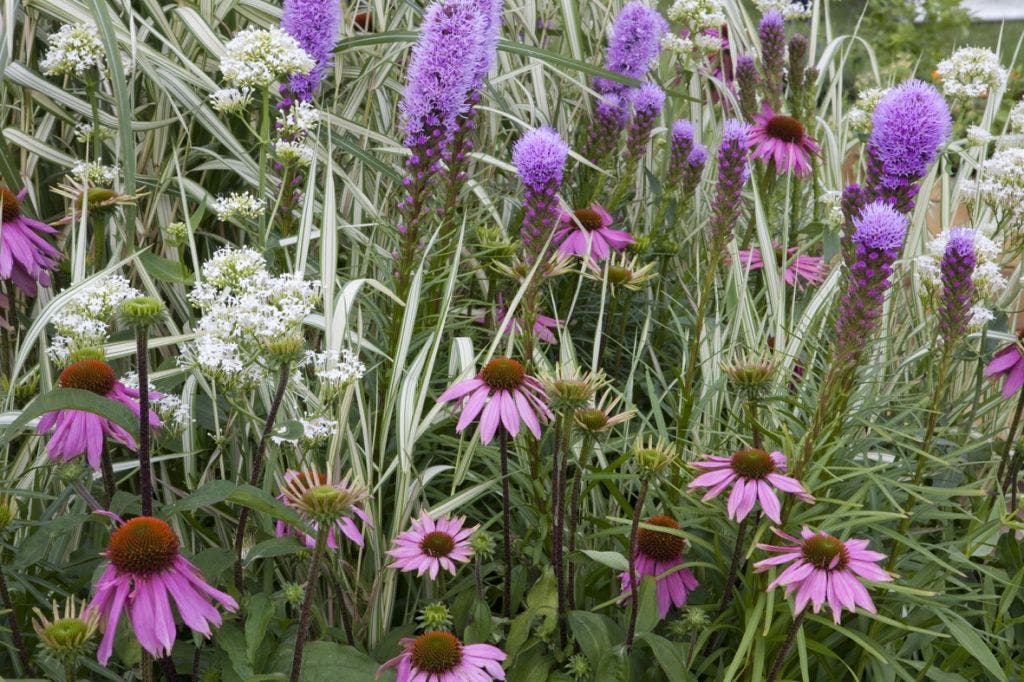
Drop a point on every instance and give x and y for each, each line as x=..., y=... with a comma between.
x=70, y=671
x=257, y=469
x=633, y=587
x=145, y=470
x=146, y=666
x=506, y=521
x=737, y=552
x=307, y=603
x=692, y=356
x=12, y=622
x=107, y=473
x=558, y=520
x=264, y=145
x=1010, y=437
x=780, y=657
x=574, y=518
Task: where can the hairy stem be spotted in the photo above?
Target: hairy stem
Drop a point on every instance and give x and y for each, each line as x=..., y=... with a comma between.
x=638, y=509
x=307, y=603
x=12, y=622
x=506, y=519
x=145, y=470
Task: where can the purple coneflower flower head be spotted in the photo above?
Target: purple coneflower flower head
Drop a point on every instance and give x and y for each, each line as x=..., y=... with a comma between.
x=647, y=101
x=782, y=140
x=825, y=570
x=811, y=269
x=1009, y=362
x=439, y=656
x=634, y=43
x=747, y=82
x=76, y=432
x=733, y=171
x=429, y=545
x=145, y=572
x=659, y=552
x=909, y=125
x=539, y=156
x=302, y=489
x=957, y=274
x=772, y=32
x=26, y=258
x=602, y=137
x=754, y=475
x=315, y=24
x=544, y=327
x=501, y=395
x=589, y=229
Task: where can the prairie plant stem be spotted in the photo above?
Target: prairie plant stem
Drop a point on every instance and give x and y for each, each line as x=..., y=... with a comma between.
x=70, y=674
x=780, y=657
x=12, y=622
x=145, y=470
x=737, y=552
x=558, y=518
x=1010, y=437
x=574, y=518
x=264, y=148
x=146, y=666
x=506, y=521
x=107, y=473
x=307, y=603
x=692, y=356
x=257, y=469
x=168, y=670
x=634, y=595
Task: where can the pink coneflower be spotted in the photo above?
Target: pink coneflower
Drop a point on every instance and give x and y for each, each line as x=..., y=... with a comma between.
x=431, y=545
x=502, y=394
x=825, y=569
x=145, y=569
x=754, y=477
x=811, y=268
x=75, y=431
x=302, y=485
x=782, y=140
x=544, y=327
x=1009, y=361
x=25, y=257
x=589, y=224
x=439, y=656
x=658, y=552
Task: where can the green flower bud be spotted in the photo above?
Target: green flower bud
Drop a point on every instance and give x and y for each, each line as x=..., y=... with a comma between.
x=176, y=235
x=435, y=616
x=482, y=543
x=142, y=312
x=578, y=667
x=67, y=635
x=294, y=593
x=288, y=349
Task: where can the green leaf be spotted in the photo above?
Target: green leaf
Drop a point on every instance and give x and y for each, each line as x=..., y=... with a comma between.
x=329, y=662
x=274, y=548
x=670, y=656
x=165, y=269
x=243, y=494
x=972, y=643
x=593, y=633
x=648, y=617
x=73, y=399
x=613, y=560
x=259, y=610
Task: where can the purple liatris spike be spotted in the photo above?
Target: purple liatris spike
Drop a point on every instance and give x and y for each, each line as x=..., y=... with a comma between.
x=647, y=101
x=680, y=146
x=634, y=43
x=315, y=24
x=693, y=170
x=877, y=242
x=909, y=126
x=490, y=29
x=603, y=135
x=747, y=81
x=851, y=203
x=772, y=32
x=539, y=157
x=733, y=171
x=957, y=272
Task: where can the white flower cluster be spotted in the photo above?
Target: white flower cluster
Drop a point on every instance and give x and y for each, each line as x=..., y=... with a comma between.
x=988, y=278
x=293, y=153
x=697, y=15
x=95, y=174
x=83, y=132
x=1000, y=182
x=73, y=50
x=790, y=11
x=315, y=431
x=978, y=136
x=244, y=205
x=256, y=58
x=832, y=202
x=336, y=370
x=971, y=72
x=1016, y=117
x=676, y=44
x=231, y=100
x=862, y=111
x=169, y=407
x=244, y=309
x=84, y=323
x=297, y=120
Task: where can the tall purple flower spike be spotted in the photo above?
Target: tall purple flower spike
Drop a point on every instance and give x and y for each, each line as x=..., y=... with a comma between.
x=747, y=82
x=539, y=157
x=957, y=272
x=877, y=242
x=680, y=148
x=733, y=172
x=634, y=43
x=647, y=102
x=602, y=138
x=772, y=32
x=315, y=24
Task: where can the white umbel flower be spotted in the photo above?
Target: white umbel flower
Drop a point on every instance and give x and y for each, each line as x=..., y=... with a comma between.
x=83, y=323
x=95, y=173
x=862, y=111
x=790, y=11
x=297, y=120
x=988, y=278
x=243, y=205
x=971, y=72
x=257, y=58
x=231, y=100
x=1001, y=182
x=697, y=15
x=73, y=50
x=336, y=369
x=293, y=154
x=978, y=136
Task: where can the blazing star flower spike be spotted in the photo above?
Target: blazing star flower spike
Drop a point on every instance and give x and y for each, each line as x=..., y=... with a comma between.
x=755, y=476
x=316, y=25
x=733, y=171
x=659, y=553
x=647, y=101
x=539, y=156
x=956, y=271
x=431, y=545
x=634, y=43
x=772, y=33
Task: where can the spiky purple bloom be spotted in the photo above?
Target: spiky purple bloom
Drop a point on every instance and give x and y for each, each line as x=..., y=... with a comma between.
x=910, y=124
x=539, y=157
x=851, y=203
x=694, y=169
x=635, y=42
x=877, y=242
x=957, y=272
x=603, y=135
x=747, y=81
x=772, y=32
x=647, y=101
x=733, y=171
x=680, y=146
x=490, y=29
x=315, y=24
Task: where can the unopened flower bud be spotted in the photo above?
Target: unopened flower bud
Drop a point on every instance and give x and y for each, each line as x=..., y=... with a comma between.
x=142, y=312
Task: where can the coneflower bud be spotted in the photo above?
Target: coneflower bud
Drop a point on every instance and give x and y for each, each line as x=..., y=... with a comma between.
x=647, y=101
x=749, y=375
x=652, y=457
x=293, y=593
x=772, y=32
x=142, y=312
x=435, y=616
x=957, y=270
x=733, y=171
x=539, y=157
x=67, y=636
x=747, y=81
x=680, y=146
x=483, y=544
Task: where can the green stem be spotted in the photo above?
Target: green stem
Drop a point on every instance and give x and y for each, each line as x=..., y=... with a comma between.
x=506, y=521
x=145, y=470
x=634, y=589
x=307, y=604
x=264, y=150
x=692, y=357
x=12, y=622
x=780, y=657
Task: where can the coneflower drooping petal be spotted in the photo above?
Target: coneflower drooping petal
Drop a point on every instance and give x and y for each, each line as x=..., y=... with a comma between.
x=647, y=101
x=315, y=24
x=877, y=242
x=957, y=270
x=604, y=133
x=909, y=125
x=772, y=32
x=733, y=171
x=634, y=43
x=539, y=157
x=747, y=82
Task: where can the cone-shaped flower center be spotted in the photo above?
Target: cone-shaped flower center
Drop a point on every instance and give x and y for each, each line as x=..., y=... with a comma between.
x=825, y=552
x=89, y=375
x=143, y=546
x=780, y=256
x=503, y=373
x=11, y=206
x=619, y=275
x=66, y=635
x=785, y=128
x=437, y=544
x=658, y=545
x=436, y=652
x=325, y=500
x=752, y=463
x=592, y=418
x=588, y=218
